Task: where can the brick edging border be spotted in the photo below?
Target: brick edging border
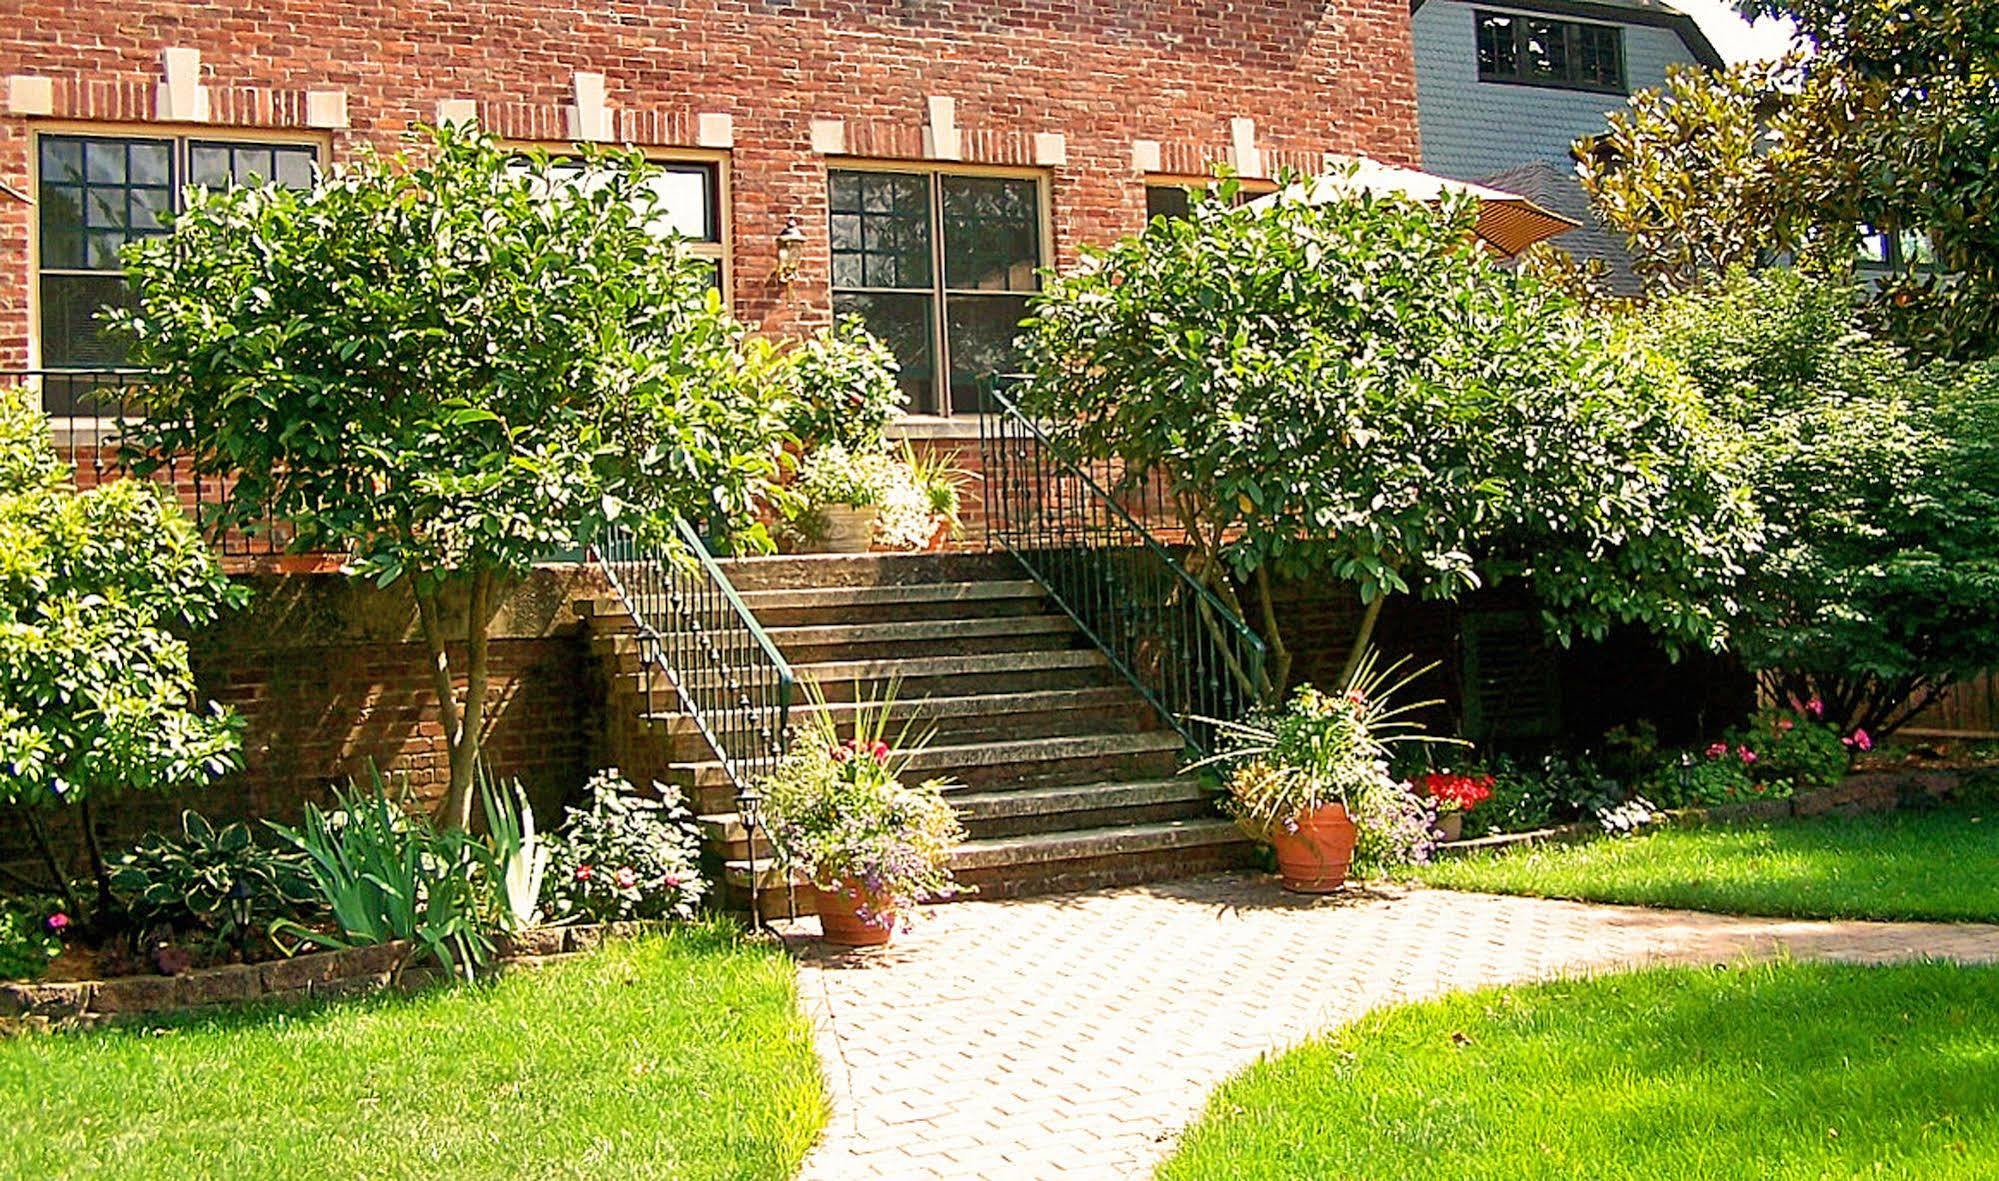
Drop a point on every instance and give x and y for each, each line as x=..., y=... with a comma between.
x=1869, y=791
x=28, y=1005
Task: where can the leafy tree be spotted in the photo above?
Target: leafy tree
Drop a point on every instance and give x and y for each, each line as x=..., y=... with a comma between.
x=448, y=364
x=1892, y=122
x=1355, y=391
x=96, y=697
x=1879, y=479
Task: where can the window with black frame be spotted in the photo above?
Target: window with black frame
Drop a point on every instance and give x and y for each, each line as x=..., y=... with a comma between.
x=1542, y=51
x=97, y=193
x=940, y=266
x=689, y=207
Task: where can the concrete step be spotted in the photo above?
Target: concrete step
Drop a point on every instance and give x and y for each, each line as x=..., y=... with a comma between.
x=797, y=571
x=978, y=717
x=948, y=676
x=1007, y=867
x=823, y=643
x=1033, y=762
x=804, y=606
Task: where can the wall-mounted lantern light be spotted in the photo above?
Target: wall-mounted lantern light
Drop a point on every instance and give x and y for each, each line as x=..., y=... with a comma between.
x=790, y=245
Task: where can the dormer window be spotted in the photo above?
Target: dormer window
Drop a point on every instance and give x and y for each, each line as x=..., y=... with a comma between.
x=1540, y=51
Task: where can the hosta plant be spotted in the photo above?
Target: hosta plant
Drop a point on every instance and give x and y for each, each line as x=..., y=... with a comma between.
x=218, y=881
x=842, y=811
x=624, y=855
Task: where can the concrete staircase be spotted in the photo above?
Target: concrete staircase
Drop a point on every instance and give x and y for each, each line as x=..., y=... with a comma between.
x=1064, y=776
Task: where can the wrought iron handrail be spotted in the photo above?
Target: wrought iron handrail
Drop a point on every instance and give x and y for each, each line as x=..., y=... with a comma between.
x=1170, y=635
x=89, y=411
x=728, y=676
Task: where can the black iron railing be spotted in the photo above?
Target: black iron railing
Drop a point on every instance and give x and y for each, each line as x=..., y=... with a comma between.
x=699, y=642
x=1187, y=652
x=91, y=412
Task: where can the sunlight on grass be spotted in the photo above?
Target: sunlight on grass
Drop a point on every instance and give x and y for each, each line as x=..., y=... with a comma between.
x=682, y=1056
x=1941, y=865
x=1781, y=1071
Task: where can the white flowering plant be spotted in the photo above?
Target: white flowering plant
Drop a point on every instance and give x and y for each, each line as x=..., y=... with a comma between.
x=624, y=855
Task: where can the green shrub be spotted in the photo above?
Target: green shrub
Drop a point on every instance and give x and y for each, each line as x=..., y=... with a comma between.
x=847, y=392
x=30, y=936
x=201, y=879
x=624, y=856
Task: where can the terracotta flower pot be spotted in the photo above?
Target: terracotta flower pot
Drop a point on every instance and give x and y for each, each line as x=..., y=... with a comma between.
x=840, y=922
x=1314, y=859
x=849, y=530
x=1452, y=825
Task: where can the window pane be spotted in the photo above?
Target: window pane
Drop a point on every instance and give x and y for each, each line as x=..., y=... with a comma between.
x=1602, y=56
x=981, y=331
x=208, y=165
x=687, y=201
x=1547, y=56
x=992, y=233
x=151, y=163
x=104, y=161
x=1170, y=201
x=879, y=229
x=1498, y=57
x=62, y=161
x=295, y=167
x=71, y=336
x=903, y=323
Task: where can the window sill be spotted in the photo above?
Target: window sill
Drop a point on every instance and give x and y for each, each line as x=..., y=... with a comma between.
x=930, y=426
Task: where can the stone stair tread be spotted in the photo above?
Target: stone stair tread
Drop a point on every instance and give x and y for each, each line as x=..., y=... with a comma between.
x=922, y=592
x=930, y=666
x=966, y=705
x=1026, y=751
x=823, y=635
x=1044, y=847
x=1084, y=797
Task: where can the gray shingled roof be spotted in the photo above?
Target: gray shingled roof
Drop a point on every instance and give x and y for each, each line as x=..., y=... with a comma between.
x=1552, y=185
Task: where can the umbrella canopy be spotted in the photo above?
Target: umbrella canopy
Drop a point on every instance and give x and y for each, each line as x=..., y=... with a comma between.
x=1507, y=222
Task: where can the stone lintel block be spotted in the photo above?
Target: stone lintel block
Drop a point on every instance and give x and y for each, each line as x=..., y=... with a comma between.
x=31, y=94
x=326, y=109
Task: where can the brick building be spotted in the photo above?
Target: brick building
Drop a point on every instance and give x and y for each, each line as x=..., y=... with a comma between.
x=933, y=153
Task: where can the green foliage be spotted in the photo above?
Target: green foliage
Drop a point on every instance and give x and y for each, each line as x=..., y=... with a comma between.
x=27, y=944
x=839, y=810
x=194, y=882
x=624, y=855
x=1878, y=479
x=1891, y=122
x=387, y=876
x=847, y=391
x=97, y=589
x=1354, y=391
x=448, y=364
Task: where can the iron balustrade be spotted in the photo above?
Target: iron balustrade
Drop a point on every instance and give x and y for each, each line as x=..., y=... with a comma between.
x=694, y=630
x=1190, y=655
x=90, y=412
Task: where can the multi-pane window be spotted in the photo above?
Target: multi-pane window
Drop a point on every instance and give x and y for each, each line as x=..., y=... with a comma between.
x=1539, y=51
x=689, y=207
x=940, y=267
x=97, y=193
x=1175, y=199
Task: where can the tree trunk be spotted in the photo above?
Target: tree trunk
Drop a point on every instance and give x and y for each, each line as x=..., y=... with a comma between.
x=462, y=721
x=99, y=871
x=1280, y=672
x=56, y=872
x=1363, y=639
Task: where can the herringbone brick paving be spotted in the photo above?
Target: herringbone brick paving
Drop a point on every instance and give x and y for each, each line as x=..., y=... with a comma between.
x=1074, y=1036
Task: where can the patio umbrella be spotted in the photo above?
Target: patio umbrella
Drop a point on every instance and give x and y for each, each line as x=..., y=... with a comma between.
x=1507, y=222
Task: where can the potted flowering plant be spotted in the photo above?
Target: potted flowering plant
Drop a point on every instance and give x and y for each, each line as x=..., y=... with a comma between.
x=1312, y=779
x=1455, y=795
x=840, y=812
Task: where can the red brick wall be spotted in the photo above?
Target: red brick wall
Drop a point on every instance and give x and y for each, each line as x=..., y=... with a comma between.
x=1315, y=77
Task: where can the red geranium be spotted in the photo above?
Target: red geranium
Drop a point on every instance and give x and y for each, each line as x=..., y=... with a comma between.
x=1459, y=793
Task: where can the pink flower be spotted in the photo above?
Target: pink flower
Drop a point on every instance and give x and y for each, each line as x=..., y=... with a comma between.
x=1748, y=756
x=625, y=878
x=1785, y=725
x=842, y=753
x=584, y=873
x=1717, y=750
x=1815, y=707
x=671, y=881
x=1859, y=741
x=881, y=752
x=57, y=922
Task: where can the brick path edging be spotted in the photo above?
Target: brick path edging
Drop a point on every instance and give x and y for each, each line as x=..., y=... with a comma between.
x=34, y=1005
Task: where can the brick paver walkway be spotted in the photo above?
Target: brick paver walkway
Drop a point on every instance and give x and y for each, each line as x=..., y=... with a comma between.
x=1074, y=1036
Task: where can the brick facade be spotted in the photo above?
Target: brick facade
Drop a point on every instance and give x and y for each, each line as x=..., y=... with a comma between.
x=1314, y=77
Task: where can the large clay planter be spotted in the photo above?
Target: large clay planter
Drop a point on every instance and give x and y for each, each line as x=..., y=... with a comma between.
x=840, y=923
x=1452, y=825
x=848, y=530
x=1314, y=859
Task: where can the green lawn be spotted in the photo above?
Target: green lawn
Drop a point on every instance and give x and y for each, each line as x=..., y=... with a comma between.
x=1901, y=865
x=1774, y=1071
x=677, y=1056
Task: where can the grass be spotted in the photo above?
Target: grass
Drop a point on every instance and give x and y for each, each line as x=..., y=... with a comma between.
x=1775, y=1071
x=1941, y=865
x=675, y=1056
